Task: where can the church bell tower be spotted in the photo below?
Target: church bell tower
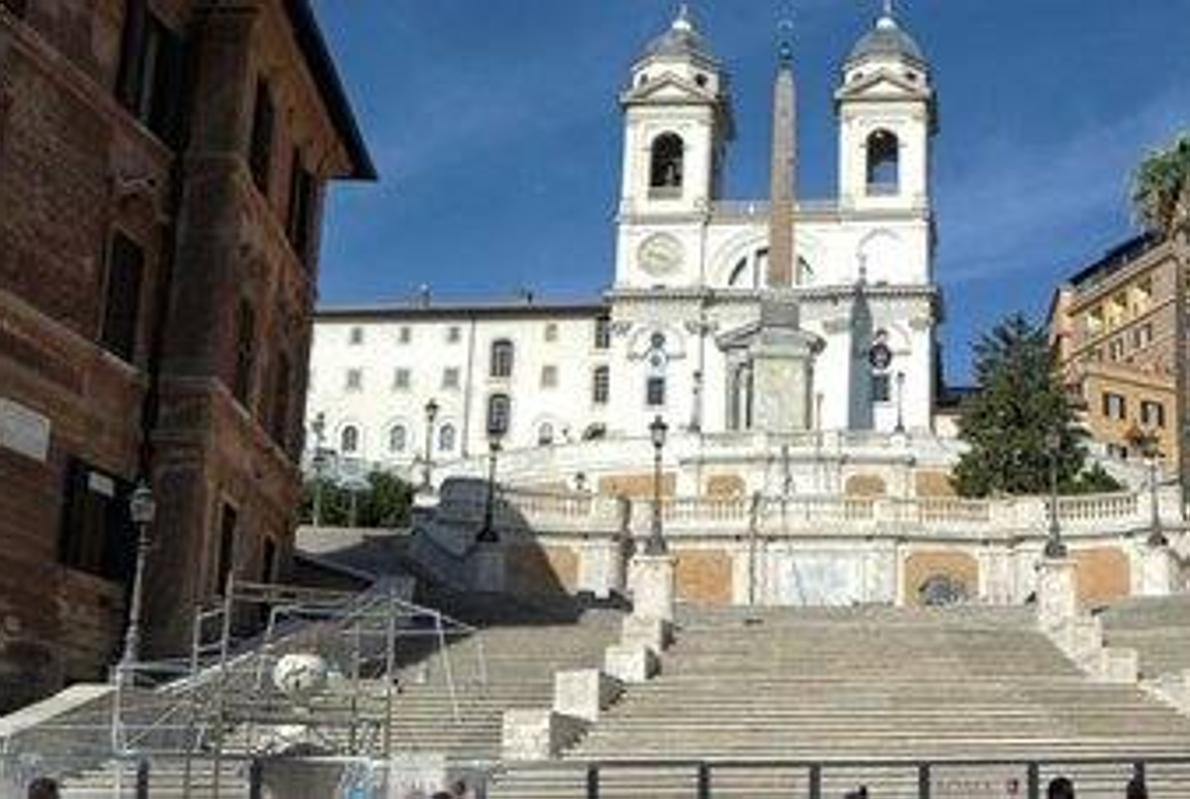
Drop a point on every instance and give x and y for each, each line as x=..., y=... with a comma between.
x=677, y=121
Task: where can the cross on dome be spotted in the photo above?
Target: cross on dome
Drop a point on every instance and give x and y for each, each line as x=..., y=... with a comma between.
x=683, y=22
x=785, y=38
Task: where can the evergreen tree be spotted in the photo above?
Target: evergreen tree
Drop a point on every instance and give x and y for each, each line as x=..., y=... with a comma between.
x=385, y=502
x=1017, y=415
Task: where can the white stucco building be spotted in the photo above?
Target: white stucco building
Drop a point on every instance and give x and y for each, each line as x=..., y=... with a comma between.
x=671, y=335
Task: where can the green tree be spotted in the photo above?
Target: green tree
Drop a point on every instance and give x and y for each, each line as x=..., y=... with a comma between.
x=1017, y=415
x=385, y=502
x=1161, y=188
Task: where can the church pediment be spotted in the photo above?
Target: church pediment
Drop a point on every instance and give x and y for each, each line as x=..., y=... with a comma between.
x=738, y=338
x=883, y=85
x=668, y=88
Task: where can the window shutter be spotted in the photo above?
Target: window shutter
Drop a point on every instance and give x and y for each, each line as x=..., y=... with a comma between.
x=260, y=157
x=122, y=304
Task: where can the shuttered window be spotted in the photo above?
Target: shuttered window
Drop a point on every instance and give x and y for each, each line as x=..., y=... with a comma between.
x=96, y=535
x=260, y=157
x=280, y=415
x=152, y=83
x=245, y=352
x=121, y=308
x=302, y=196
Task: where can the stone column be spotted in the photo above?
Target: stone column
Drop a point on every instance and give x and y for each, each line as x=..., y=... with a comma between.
x=600, y=569
x=1158, y=570
x=1057, y=601
x=488, y=563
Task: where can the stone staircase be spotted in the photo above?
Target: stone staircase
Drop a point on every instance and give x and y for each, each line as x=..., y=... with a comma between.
x=521, y=650
x=1157, y=627
x=860, y=684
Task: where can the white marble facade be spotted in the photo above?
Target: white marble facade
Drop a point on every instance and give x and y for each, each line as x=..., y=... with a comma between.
x=671, y=335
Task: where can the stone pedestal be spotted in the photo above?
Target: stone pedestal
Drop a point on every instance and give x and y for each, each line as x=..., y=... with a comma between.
x=529, y=735
x=656, y=634
x=653, y=586
x=782, y=368
x=1158, y=570
x=601, y=567
x=584, y=693
x=1057, y=601
x=631, y=663
x=487, y=563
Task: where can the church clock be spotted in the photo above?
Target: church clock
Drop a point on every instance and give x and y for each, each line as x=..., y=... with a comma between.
x=660, y=254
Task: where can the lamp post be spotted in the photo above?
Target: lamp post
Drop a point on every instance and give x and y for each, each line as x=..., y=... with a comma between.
x=1054, y=548
x=1146, y=442
x=431, y=414
x=142, y=507
x=487, y=533
x=319, y=428
x=656, y=543
x=900, y=402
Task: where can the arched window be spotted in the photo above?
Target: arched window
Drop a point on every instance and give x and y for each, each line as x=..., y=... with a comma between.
x=665, y=165
x=245, y=331
x=279, y=426
x=545, y=434
x=499, y=414
x=502, y=356
x=884, y=162
x=446, y=438
x=349, y=440
x=398, y=438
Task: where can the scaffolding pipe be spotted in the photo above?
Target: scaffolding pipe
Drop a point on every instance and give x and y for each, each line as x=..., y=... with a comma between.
x=446, y=669
x=389, y=668
x=220, y=699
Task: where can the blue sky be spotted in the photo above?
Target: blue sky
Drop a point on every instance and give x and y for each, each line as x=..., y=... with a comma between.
x=495, y=129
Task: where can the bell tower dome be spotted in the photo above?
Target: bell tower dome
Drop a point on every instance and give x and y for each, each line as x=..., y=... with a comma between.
x=887, y=114
x=677, y=121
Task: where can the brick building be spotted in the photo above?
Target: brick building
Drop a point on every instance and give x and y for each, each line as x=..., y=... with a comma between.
x=1115, y=325
x=162, y=165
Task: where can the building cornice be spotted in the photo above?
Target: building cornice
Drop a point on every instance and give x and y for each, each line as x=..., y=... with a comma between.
x=927, y=291
x=473, y=310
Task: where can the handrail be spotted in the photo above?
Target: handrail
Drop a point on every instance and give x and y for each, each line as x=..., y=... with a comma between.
x=703, y=770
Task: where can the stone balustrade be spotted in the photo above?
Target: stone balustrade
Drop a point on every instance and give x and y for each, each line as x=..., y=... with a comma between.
x=546, y=513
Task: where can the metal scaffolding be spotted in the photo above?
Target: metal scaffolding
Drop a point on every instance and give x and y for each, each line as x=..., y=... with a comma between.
x=273, y=671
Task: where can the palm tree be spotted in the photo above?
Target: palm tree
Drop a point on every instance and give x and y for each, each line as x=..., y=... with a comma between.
x=1161, y=199
x=1161, y=188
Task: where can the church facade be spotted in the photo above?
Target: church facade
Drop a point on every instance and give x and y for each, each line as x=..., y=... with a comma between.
x=678, y=333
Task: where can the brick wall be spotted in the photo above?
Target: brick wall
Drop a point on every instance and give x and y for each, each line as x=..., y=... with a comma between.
x=1103, y=575
x=703, y=576
x=636, y=486
x=77, y=167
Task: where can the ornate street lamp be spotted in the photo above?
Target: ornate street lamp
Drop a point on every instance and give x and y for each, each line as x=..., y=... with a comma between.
x=900, y=402
x=1145, y=441
x=656, y=542
x=142, y=508
x=487, y=533
x=1054, y=548
x=319, y=428
x=431, y=414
